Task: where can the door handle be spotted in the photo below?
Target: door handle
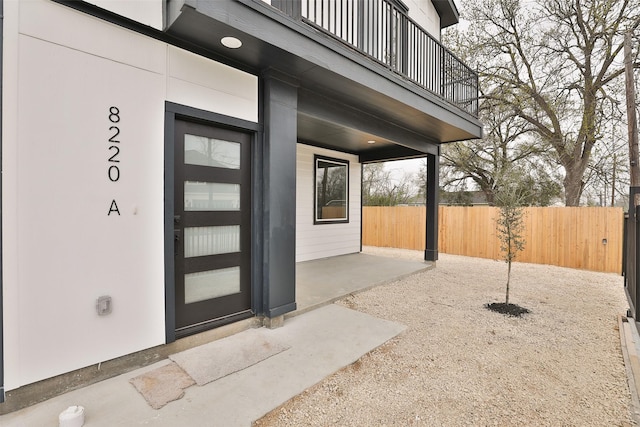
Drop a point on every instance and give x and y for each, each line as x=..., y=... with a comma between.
x=176, y=241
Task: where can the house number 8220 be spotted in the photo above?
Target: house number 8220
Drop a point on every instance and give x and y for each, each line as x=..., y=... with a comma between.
x=113, y=170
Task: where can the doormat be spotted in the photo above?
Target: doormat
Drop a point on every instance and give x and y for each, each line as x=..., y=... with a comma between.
x=162, y=385
x=218, y=359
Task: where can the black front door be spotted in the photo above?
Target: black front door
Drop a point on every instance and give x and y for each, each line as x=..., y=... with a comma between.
x=212, y=225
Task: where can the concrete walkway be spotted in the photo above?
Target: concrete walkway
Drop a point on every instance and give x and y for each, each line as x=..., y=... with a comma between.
x=321, y=342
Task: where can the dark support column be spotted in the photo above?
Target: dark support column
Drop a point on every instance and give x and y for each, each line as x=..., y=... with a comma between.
x=280, y=100
x=431, y=250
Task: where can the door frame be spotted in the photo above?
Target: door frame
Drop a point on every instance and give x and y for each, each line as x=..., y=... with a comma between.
x=2, y=391
x=175, y=112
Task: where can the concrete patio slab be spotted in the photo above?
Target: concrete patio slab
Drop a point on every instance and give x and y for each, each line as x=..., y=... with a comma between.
x=322, y=341
x=323, y=281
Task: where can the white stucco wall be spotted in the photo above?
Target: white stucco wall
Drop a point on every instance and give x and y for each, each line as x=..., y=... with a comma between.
x=148, y=12
x=423, y=12
x=63, y=72
x=325, y=240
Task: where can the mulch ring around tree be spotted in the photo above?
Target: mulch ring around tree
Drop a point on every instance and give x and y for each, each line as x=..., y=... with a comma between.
x=512, y=310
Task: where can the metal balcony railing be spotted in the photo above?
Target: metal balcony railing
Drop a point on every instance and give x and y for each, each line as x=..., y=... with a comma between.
x=382, y=30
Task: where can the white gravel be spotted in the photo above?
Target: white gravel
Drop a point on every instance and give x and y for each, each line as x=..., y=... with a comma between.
x=459, y=364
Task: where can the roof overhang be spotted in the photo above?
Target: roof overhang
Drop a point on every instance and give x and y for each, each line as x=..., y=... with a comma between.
x=345, y=98
x=448, y=12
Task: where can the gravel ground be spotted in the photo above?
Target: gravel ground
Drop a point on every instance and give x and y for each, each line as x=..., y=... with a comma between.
x=459, y=364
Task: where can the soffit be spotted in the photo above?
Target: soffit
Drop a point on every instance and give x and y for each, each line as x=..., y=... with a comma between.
x=325, y=70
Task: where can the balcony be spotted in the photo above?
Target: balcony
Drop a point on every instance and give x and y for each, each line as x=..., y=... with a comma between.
x=382, y=31
x=363, y=69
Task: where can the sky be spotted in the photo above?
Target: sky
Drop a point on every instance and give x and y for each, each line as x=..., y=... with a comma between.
x=399, y=167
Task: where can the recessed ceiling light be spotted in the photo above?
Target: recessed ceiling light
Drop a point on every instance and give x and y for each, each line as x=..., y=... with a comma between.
x=371, y=141
x=231, y=42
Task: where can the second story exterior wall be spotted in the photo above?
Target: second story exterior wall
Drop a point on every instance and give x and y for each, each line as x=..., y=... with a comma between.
x=147, y=12
x=425, y=15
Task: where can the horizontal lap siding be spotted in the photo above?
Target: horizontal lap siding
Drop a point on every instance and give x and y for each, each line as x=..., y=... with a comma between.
x=567, y=237
x=324, y=240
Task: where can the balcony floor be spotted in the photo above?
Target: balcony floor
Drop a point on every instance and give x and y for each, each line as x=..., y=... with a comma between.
x=323, y=281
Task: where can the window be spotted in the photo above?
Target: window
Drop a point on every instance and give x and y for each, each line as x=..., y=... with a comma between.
x=331, y=191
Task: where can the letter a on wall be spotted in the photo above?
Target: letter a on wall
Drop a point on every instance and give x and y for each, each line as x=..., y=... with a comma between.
x=113, y=208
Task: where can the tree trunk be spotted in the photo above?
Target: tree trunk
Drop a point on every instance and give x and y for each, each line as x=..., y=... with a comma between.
x=508, y=280
x=573, y=185
x=488, y=194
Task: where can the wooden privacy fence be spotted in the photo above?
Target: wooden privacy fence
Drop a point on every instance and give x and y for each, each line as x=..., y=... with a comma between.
x=588, y=238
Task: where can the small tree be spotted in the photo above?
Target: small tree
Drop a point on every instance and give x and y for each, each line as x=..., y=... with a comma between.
x=510, y=197
x=509, y=226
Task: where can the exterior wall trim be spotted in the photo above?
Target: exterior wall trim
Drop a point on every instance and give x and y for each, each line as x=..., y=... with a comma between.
x=317, y=157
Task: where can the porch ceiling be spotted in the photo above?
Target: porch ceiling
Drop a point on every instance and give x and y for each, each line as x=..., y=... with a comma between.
x=345, y=99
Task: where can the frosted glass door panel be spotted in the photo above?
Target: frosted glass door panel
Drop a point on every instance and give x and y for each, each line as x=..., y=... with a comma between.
x=211, y=196
x=212, y=225
x=211, y=284
x=214, y=240
x=203, y=151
